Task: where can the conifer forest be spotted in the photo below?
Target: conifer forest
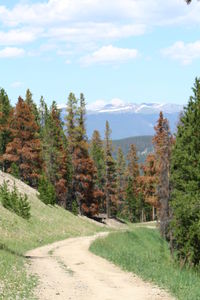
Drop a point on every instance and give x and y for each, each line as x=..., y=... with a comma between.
x=100, y=176
x=82, y=176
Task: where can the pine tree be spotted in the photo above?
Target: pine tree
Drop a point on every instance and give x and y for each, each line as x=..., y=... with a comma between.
x=43, y=112
x=32, y=105
x=97, y=154
x=84, y=172
x=71, y=131
x=72, y=111
x=130, y=212
x=149, y=182
x=54, y=151
x=5, y=115
x=24, y=148
x=110, y=186
x=120, y=180
x=185, y=178
x=162, y=144
x=133, y=209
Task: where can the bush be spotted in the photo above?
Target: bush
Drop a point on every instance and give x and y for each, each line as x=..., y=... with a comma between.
x=47, y=191
x=15, y=170
x=14, y=201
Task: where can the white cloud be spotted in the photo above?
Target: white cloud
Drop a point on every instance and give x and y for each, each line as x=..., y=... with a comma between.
x=10, y=52
x=85, y=25
x=57, y=11
x=84, y=32
x=16, y=84
x=185, y=53
x=110, y=54
x=18, y=36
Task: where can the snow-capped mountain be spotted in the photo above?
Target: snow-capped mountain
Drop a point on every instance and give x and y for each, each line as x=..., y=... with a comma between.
x=144, y=108
x=128, y=119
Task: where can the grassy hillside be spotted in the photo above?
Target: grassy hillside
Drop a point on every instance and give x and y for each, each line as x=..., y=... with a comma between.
x=47, y=224
x=143, y=252
x=143, y=144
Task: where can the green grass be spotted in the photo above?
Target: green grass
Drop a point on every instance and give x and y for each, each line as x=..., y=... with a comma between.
x=46, y=225
x=143, y=252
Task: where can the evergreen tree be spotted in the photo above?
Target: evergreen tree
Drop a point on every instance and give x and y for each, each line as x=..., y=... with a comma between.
x=120, y=180
x=54, y=151
x=72, y=111
x=185, y=179
x=84, y=172
x=5, y=114
x=97, y=154
x=162, y=144
x=32, y=105
x=130, y=203
x=149, y=182
x=46, y=191
x=110, y=186
x=43, y=112
x=133, y=209
x=24, y=148
x=71, y=124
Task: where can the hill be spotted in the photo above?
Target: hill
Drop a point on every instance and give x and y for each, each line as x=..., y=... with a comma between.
x=143, y=144
x=46, y=225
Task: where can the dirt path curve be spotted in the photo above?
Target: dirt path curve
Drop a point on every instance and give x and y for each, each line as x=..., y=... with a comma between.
x=68, y=271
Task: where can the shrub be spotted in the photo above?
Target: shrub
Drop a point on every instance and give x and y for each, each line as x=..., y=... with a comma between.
x=47, y=191
x=15, y=170
x=14, y=201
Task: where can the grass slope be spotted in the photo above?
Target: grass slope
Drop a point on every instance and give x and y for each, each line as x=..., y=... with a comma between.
x=47, y=224
x=143, y=252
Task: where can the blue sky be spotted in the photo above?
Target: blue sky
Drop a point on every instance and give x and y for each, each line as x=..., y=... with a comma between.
x=132, y=50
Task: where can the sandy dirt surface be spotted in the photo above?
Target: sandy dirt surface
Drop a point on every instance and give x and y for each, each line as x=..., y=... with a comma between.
x=68, y=271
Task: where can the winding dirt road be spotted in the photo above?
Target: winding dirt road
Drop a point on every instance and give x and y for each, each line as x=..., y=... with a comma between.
x=68, y=271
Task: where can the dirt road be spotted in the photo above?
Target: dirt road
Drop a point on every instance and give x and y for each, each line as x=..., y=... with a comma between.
x=68, y=271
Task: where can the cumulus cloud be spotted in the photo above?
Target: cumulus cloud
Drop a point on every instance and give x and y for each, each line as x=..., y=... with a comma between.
x=10, y=52
x=18, y=36
x=84, y=32
x=109, y=54
x=94, y=10
x=85, y=25
x=183, y=52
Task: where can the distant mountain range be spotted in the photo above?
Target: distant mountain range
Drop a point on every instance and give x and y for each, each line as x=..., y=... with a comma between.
x=127, y=120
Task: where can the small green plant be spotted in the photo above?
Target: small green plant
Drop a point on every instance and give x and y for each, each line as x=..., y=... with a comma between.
x=14, y=201
x=15, y=171
x=47, y=191
x=75, y=208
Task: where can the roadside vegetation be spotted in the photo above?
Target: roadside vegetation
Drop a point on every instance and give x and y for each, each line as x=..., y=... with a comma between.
x=144, y=252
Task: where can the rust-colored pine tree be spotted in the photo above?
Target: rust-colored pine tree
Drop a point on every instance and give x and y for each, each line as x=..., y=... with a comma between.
x=148, y=183
x=24, y=149
x=133, y=209
x=162, y=143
